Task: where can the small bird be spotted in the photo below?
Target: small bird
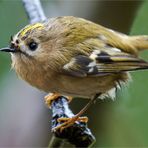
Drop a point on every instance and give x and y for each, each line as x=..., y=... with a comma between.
x=75, y=57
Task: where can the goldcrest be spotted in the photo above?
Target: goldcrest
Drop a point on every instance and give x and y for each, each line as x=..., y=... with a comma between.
x=75, y=57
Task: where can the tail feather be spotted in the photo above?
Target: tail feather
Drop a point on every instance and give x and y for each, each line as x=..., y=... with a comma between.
x=121, y=67
x=118, y=63
x=129, y=44
x=139, y=42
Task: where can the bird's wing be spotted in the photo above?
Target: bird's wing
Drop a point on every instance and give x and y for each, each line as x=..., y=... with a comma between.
x=103, y=62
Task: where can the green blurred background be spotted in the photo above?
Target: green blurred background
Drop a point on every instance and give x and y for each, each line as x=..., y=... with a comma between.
x=24, y=119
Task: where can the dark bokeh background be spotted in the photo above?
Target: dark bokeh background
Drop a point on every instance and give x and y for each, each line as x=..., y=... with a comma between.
x=24, y=119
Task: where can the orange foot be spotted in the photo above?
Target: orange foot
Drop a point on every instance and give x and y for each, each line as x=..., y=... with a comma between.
x=53, y=96
x=68, y=122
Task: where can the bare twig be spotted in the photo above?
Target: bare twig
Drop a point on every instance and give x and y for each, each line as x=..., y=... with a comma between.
x=78, y=134
x=34, y=10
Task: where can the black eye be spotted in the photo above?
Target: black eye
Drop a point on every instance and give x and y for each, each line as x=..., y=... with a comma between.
x=33, y=46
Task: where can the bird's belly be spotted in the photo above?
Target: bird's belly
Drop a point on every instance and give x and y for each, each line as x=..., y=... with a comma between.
x=89, y=86
x=85, y=87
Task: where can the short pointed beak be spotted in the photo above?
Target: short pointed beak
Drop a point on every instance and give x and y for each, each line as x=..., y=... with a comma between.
x=8, y=49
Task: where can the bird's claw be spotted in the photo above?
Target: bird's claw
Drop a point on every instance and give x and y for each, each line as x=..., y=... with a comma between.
x=69, y=122
x=53, y=96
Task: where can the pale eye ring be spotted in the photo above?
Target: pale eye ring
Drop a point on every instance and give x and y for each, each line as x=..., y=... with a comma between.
x=33, y=46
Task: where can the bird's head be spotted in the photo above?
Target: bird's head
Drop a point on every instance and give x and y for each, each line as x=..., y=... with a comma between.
x=29, y=44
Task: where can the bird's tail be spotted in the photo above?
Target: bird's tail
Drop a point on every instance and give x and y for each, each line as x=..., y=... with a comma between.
x=129, y=44
x=139, y=42
x=116, y=67
x=107, y=62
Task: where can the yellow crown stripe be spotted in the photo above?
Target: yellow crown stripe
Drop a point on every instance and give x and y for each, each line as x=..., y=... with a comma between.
x=31, y=27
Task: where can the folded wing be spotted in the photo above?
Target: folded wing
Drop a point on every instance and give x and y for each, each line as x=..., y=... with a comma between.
x=103, y=62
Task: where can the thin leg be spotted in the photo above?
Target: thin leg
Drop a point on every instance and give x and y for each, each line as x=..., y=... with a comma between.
x=70, y=121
